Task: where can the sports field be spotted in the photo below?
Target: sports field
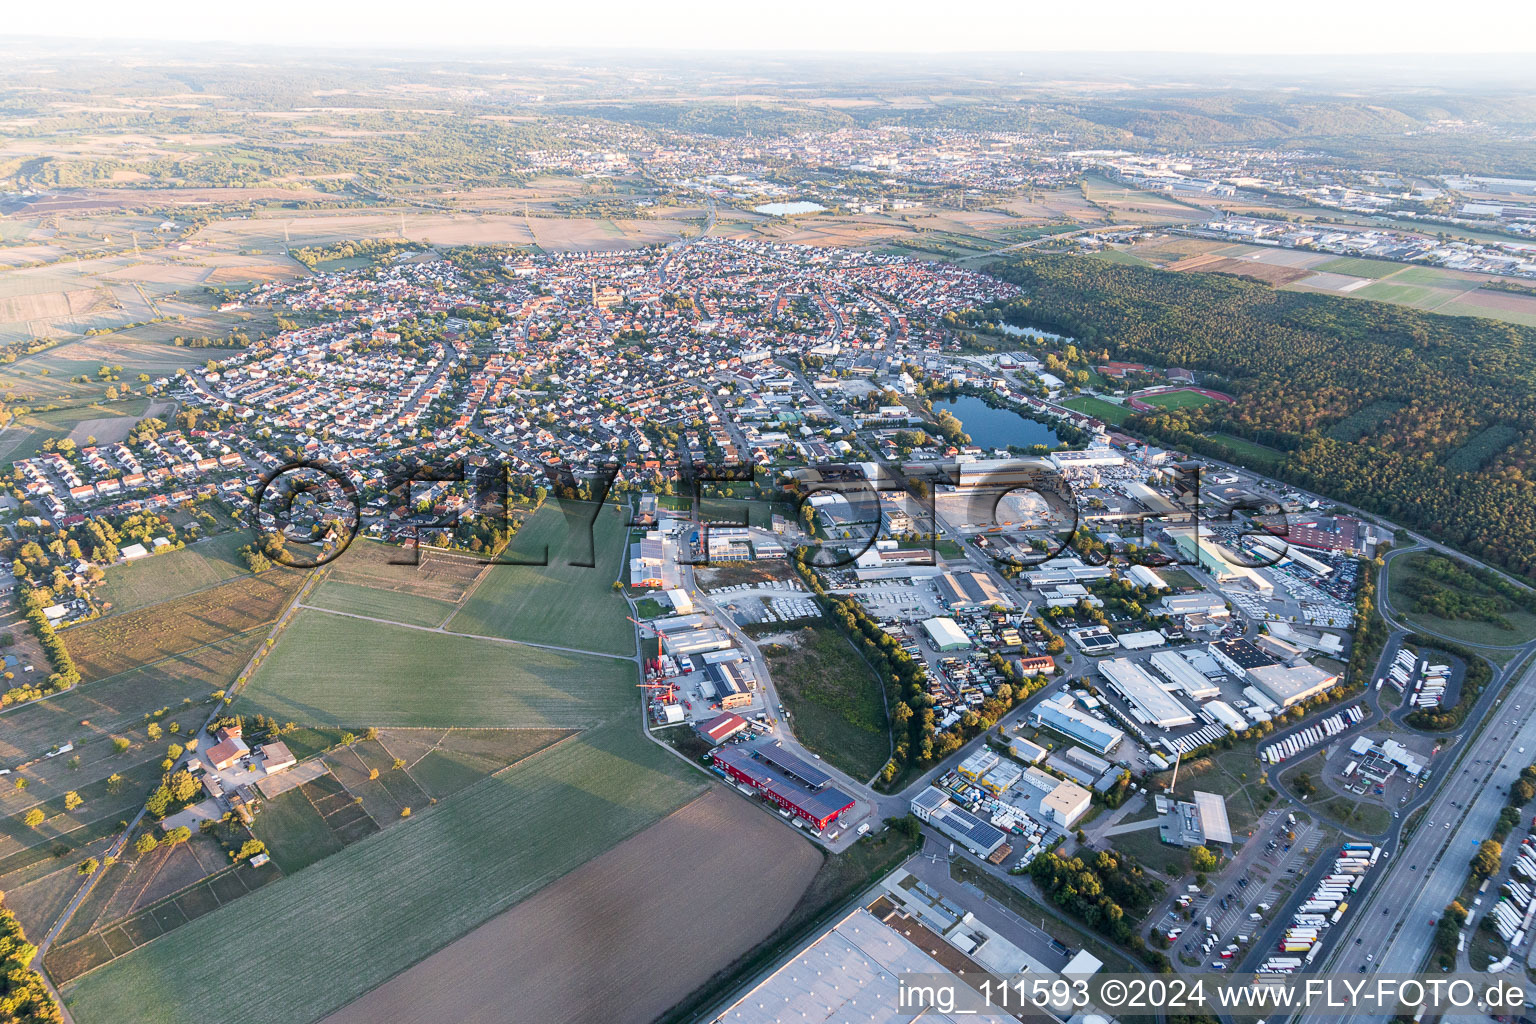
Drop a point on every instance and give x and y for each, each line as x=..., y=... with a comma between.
x=1109, y=412
x=356, y=919
x=1255, y=454
x=336, y=670
x=1177, y=400
x=560, y=604
x=396, y=606
x=148, y=581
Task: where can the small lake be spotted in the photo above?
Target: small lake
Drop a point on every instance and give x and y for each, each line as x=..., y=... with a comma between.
x=788, y=209
x=996, y=428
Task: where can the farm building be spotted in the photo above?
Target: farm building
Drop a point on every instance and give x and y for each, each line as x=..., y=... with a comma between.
x=795, y=785
x=229, y=749
x=275, y=757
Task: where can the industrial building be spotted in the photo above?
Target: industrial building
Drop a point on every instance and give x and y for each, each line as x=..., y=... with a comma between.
x=1143, y=577
x=721, y=728
x=797, y=786
x=1216, y=560
x=1196, y=604
x=961, y=591
x=1058, y=715
x=1149, y=702
x=1062, y=803
x=946, y=636
x=1141, y=640
x=982, y=839
x=1284, y=684
x=1183, y=676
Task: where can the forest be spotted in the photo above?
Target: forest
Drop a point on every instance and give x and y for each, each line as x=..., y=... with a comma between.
x=1301, y=363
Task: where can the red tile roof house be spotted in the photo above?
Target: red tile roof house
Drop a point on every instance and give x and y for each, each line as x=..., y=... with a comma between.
x=228, y=750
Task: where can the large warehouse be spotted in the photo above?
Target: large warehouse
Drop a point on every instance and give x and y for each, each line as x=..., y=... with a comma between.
x=1059, y=715
x=1149, y=701
x=794, y=784
x=946, y=636
x=1285, y=684
x=1178, y=671
x=969, y=590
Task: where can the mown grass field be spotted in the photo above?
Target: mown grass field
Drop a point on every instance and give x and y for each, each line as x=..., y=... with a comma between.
x=333, y=670
x=106, y=646
x=148, y=581
x=1255, y=454
x=834, y=699
x=559, y=604
x=1177, y=400
x=1400, y=571
x=1109, y=412
x=396, y=606
x=356, y=919
x=1359, y=267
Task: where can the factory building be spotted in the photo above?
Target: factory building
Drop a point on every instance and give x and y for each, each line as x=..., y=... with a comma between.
x=1058, y=715
x=982, y=839
x=1150, y=703
x=1284, y=684
x=970, y=590
x=1062, y=803
x=1216, y=560
x=1183, y=676
x=797, y=786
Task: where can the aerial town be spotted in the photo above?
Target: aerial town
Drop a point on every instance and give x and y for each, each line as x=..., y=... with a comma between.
x=885, y=546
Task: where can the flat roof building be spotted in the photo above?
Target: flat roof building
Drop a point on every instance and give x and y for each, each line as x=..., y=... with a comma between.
x=1100, y=737
x=786, y=780
x=1149, y=701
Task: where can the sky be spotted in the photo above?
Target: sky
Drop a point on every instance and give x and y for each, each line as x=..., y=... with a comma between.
x=888, y=26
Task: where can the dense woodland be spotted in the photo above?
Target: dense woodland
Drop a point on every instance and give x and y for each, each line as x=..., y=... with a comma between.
x=1430, y=420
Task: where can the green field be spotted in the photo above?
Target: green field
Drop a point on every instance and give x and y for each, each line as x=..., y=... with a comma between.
x=117, y=705
x=148, y=581
x=1357, y=267
x=1177, y=400
x=1256, y=454
x=25, y=436
x=1419, y=296
x=363, y=915
x=1400, y=572
x=1109, y=412
x=333, y=670
x=1470, y=307
x=559, y=604
x=295, y=833
x=1112, y=255
x=835, y=701
x=412, y=609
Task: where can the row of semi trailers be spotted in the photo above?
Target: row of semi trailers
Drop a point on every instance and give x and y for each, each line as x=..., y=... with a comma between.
x=1517, y=900
x=1334, y=725
x=1325, y=908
